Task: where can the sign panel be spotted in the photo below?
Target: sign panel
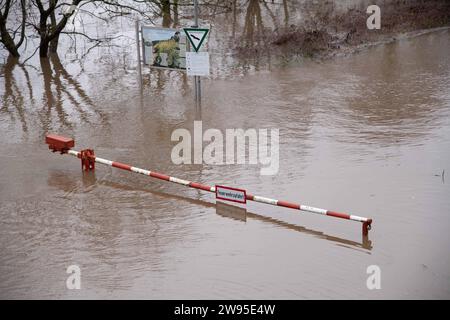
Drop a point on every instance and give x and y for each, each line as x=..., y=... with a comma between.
x=197, y=63
x=231, y=194
x=196, y=37
x=164, y=48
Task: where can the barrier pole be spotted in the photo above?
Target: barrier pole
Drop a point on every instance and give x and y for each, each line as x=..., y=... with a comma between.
x=88, y=158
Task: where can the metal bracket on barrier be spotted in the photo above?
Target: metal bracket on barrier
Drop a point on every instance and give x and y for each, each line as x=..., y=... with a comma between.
x=87, y=157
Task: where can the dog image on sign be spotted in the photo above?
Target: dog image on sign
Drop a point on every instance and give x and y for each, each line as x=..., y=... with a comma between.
x=164, y=48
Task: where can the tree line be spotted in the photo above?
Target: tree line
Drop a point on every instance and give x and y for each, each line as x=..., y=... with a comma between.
x=48, y=19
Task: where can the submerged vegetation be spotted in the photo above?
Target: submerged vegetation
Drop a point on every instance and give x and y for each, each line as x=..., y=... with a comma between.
x=324, y=29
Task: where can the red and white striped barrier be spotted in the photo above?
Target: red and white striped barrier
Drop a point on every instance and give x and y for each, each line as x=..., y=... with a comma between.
x=88, y=159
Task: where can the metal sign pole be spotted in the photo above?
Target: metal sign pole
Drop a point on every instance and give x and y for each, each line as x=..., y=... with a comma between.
x=138, y=54
x=197, y=83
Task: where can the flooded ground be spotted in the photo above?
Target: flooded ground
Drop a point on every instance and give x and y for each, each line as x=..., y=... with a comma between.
x=367, y=134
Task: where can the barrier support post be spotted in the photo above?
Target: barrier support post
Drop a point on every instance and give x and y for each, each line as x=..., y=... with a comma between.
x=87, y=157
x=366, y=226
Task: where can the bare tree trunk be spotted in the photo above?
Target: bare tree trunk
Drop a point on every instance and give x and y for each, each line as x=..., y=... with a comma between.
x=175, y=13
x=43, y=48
x=286, y=13
x=50, y=34
x=234, y=18
x=165, y=10
x=43, y=32
x=6, y=38
x=54, y=42
x=8, y=42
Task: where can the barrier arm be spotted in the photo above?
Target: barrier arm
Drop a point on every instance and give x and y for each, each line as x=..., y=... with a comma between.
x=88, y=159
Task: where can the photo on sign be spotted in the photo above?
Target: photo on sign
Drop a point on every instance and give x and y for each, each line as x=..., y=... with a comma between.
x=164, y=48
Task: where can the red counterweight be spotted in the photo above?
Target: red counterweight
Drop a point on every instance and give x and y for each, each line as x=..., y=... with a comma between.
x=58, y=143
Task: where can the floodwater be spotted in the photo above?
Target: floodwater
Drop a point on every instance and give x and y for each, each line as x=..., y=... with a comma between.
x=367, y=134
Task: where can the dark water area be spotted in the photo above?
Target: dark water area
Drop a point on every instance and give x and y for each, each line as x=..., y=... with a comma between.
x=367, y=134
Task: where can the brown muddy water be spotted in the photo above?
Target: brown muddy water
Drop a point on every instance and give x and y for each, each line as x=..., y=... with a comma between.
x=367, y=134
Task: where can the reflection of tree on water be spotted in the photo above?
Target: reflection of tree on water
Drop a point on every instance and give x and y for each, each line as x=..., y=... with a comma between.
x=234, y=8
x=49, y=98
x=12, y=96
x=253, y=19
x=66, y=88
x=60, y=93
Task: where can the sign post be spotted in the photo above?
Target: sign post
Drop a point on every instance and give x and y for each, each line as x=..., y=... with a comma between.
x=139, y=67
x=166, y=48
x=197, y=83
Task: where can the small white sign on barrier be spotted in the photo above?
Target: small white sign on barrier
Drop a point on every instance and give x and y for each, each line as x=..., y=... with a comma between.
x=197, y=63
x=231, y=194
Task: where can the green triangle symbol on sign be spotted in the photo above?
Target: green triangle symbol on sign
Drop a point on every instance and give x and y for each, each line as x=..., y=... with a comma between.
x=196, y=36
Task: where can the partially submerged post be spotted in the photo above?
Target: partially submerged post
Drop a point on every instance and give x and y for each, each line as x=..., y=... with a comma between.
x=139, y=66
x=366, y=226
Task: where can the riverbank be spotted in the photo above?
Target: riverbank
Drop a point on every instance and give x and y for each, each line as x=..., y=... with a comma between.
x=327, y=32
